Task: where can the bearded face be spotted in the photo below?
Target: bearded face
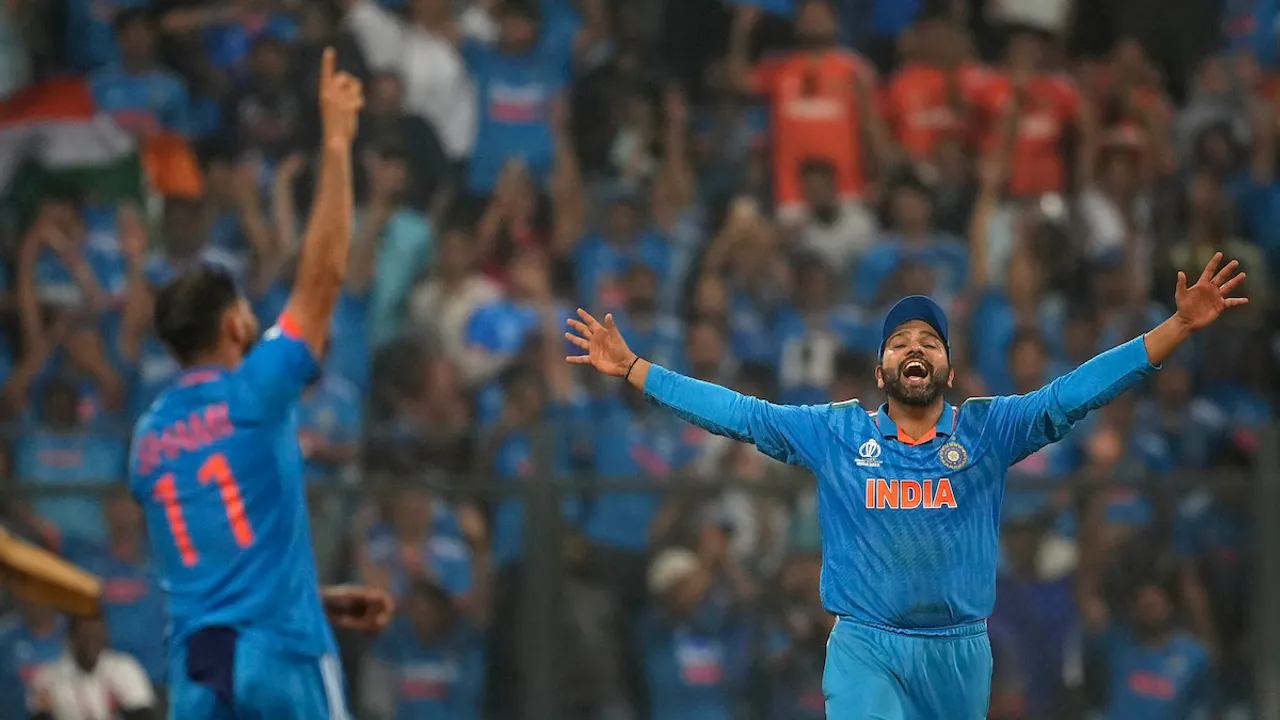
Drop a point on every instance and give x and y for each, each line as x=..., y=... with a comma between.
x=915, y=367
x=916, y=381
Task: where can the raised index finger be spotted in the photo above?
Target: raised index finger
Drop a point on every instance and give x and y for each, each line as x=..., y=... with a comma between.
x=327, y=63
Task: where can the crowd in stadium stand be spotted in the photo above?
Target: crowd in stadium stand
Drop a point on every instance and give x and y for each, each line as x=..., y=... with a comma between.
x=746, y=185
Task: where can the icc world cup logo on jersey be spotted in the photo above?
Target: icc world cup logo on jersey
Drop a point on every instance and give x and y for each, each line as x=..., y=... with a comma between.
x=953, y=455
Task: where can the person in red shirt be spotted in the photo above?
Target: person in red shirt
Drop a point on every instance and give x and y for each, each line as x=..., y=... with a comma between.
x=823, y=104
x=1046, y=107
x=933, y=95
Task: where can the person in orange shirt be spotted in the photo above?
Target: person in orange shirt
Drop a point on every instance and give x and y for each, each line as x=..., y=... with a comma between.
x=823, y=105
x=1047, y=109
x=933, y=95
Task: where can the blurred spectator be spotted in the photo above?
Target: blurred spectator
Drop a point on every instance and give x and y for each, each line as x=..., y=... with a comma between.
x=822, y=100
x=387, y=126
x=839, y=234
x=133, y=603
x=29, y=638
x=694, y=656
x=264, y=115
x=441, y=306
x=423, y=54
x=91, y=681
x=516, y=87
x=140, y=95
x=1153, y=668
x=430, y=663
x=421, y=538
x=1035, y=610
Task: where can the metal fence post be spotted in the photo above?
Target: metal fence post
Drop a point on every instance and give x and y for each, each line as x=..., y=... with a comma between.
x=539, y=621
x=1266, y=570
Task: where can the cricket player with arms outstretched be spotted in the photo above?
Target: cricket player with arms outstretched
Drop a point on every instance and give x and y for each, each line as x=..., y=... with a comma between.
x=909, y=494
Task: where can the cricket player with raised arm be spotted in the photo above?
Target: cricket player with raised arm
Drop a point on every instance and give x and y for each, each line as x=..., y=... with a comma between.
x=217, y=468
x=909, y=494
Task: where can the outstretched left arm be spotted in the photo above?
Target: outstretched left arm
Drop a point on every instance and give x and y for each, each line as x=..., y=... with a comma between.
x=1026, y=423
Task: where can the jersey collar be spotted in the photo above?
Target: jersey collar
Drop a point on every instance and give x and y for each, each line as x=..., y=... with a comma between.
x=200, y=375
x=889, y=429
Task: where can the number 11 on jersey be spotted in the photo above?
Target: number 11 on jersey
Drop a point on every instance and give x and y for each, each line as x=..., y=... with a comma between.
x=214, y=470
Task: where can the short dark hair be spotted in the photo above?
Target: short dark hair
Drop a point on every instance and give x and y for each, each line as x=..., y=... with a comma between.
x=189, y=311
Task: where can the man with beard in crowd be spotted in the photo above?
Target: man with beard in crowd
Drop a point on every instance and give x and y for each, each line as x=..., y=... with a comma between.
x=910, y=495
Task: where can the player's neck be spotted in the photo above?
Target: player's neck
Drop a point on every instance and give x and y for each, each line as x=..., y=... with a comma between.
x=226, y=358
x=915, y=420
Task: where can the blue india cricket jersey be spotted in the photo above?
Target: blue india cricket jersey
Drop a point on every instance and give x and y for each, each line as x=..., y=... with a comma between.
x=909, y=526
x=217, y=469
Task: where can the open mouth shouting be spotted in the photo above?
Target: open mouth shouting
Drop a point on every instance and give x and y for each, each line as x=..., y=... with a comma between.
x=915, y=373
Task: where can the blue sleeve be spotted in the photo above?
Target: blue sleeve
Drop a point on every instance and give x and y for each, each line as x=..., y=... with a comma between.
x=1025, y=423
x=279, y=368
x=791, y=434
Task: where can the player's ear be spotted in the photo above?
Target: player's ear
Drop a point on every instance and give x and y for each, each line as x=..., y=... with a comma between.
x=880, y=376
x=951, y=377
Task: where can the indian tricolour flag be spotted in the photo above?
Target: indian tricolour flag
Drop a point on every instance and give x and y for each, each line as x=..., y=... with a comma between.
x=53, y=138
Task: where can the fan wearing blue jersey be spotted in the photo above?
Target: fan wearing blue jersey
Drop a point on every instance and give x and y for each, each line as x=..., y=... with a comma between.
x=909, y=495
x=217, y=468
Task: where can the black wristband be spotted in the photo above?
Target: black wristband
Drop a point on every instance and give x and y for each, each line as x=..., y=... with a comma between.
x=630, y=368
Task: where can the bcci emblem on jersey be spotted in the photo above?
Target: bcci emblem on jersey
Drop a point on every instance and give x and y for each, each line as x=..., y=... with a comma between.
x=869, y=454
x=953, y=455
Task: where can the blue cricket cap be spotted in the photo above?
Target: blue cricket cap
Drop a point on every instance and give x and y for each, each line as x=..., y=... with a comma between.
x=915, y=307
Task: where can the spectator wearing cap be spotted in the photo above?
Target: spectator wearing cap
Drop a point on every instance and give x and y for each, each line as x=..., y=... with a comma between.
x=423, y=53
x=142, y=96
x=30, y=637
x=429, y=663
x=911, y=238
x=90, y=680
x=694, y=660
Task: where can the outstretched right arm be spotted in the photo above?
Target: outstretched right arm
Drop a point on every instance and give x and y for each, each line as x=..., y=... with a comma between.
x=327, y=241
x=792, y=434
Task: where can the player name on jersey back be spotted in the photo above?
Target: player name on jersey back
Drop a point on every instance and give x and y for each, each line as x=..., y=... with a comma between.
x=201, y=429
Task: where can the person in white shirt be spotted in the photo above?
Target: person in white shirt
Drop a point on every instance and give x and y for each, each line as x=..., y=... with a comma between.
x=90, y=681
x=423, y=52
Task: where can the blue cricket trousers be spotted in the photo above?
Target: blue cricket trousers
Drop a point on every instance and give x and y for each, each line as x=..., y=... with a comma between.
x=875, y=673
